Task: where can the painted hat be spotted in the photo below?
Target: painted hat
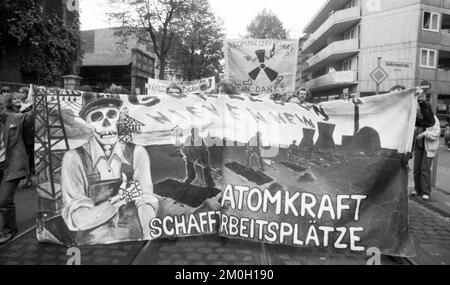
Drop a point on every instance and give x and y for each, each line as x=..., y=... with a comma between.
x=94, y=101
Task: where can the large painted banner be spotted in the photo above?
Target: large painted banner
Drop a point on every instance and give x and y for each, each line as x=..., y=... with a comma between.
x=261, y=66
x=330, y=176
x=118, y=168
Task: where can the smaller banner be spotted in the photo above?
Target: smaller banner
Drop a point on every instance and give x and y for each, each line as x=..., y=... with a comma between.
x=262, y=66
x=204, y=85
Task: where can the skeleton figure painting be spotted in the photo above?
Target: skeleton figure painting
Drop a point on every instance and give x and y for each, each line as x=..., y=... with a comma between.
x=107, y=187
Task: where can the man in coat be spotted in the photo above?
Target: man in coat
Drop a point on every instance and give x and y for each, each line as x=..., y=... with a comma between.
x=13, y=165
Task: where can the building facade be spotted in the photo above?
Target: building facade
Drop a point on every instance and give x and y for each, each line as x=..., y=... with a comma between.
x=349, y=39
x=110, y=60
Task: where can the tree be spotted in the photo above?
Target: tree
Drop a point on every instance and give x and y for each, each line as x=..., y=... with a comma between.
x=198, y=49
x=266, y=25
x=151, y=22
x=47, y=45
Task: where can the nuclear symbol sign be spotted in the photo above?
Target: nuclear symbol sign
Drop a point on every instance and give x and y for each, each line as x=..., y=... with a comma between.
x=271, y=74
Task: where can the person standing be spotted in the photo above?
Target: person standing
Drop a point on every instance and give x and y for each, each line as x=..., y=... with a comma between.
x=4, y=91
x=426, y=145
x=13, y=165
x=14, y=104
x=447, y=134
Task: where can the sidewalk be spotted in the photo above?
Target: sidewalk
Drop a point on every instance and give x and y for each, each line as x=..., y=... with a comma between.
x=430, y=221
x=443, y=181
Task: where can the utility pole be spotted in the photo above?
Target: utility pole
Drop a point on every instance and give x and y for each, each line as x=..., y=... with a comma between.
x=378, y=83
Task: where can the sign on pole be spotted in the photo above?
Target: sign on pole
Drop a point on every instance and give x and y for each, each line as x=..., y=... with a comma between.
x=379, y=75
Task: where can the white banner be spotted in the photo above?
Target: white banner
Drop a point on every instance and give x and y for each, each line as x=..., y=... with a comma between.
x=238, y=118
x=262, y=66
x=204, y=85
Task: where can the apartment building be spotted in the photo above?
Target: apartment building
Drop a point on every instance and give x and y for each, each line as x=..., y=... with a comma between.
x=348, y=39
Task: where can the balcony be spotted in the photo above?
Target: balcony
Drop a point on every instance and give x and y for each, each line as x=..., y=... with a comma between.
x=332, y=80
x=445, y=37
x=336, y=51
x=336, y=24
x=443, y=81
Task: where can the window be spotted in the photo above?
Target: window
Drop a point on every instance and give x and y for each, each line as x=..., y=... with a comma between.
x=349, y=35
x=353, y=33
x=428, y=58
x=351, y=3
x=445, y=23
x=347, y=64
x=430, y=21
x=444, y=60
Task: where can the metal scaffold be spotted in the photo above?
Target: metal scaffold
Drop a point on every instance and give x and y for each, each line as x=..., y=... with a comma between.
x=51, y=140
x=127, y=126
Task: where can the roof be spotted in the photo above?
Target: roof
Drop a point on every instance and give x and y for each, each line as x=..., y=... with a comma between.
x=322, y=15
x=94, y=59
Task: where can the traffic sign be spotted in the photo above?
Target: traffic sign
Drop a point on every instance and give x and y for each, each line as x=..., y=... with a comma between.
x=379, y=75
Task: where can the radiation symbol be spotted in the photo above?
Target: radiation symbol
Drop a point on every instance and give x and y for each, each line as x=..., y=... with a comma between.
x=271, y=74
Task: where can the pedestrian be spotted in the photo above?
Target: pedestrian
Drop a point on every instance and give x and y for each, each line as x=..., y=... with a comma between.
x=447, y=134
x=13, y=165
x=426, y=145
x=226, y=88
x=15, y=102
x=28, y=132
x=116, y=90
x=277, y=98
x=27, y=102
x=5, y=90
x=299, y=97
x=174, y=90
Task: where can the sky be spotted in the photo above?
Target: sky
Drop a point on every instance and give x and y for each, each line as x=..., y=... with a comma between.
x=237, y=14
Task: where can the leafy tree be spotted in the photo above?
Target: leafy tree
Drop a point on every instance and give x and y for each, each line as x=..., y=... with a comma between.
x=151, y=22
x=198, y=48
x=49, y=47
x=266, y=25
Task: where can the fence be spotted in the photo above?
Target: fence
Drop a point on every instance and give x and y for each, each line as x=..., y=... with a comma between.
x=13, y=86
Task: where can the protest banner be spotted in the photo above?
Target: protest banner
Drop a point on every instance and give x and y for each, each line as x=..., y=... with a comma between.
x=114, y=168
x=205, y=85
x=328, y=175
x=261, y=66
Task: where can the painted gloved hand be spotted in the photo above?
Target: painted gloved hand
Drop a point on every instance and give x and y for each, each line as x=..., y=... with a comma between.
x=128, y=192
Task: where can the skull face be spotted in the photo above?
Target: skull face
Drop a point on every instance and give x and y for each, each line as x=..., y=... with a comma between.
x=104, y=123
